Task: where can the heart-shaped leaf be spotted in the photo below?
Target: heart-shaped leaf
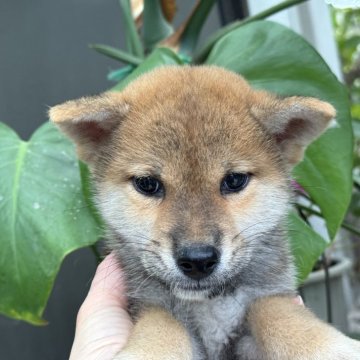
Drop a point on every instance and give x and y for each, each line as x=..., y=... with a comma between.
x=43, y=218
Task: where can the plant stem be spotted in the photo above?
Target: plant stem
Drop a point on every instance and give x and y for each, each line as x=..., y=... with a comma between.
x=350, y=228
x=344, y=225
x=205, y=50
x=356, y=184
x=116, y=54
x=327, y=289
x=310, y=210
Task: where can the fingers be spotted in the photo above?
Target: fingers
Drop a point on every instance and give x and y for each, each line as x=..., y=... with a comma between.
x=109, y=282
x=107, y=289
x=298, y=300
x=103, y=324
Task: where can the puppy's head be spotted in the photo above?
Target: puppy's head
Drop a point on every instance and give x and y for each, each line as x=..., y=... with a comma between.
x=191, y=168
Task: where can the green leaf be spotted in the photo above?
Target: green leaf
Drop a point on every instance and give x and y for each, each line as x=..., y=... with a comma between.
x=120, y=74
x=306, y=245
x=159, y=57
x=201, y=55
x=190, y=36
x=155, y=26
x=274, y=58
x=355, y=112
x=44, y=217
x=116, y=54
x=133, y=41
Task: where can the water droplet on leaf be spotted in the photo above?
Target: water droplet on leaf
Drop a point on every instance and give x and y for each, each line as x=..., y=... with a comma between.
x=36, y=205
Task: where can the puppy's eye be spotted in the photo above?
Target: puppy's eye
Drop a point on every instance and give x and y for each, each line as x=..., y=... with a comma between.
x=234, y=182
x=148, y=185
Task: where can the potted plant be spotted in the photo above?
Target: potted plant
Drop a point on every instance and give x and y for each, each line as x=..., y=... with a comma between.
x=327, y=289
x=45, y=194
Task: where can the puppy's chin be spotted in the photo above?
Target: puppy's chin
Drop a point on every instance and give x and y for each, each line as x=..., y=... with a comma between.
x=192, y=295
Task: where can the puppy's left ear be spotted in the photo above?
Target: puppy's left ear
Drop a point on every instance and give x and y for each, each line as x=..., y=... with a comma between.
x=89, y=121
x=294, y=122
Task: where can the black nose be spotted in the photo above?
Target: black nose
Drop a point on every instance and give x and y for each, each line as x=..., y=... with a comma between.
x=198, y=262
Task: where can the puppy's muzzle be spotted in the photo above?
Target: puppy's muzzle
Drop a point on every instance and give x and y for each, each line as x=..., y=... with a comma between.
x=198, y=262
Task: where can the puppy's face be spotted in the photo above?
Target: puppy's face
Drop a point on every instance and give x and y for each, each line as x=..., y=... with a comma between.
x=191, y=169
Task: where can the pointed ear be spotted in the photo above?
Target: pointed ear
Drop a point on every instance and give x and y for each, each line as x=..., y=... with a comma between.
x=294, y=122
x=89, y=121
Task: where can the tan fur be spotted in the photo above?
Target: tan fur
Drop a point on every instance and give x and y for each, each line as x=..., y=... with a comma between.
x=289, y=331
x=189, y=127
x=90, y=129
x=157, y=336
x=308, y=118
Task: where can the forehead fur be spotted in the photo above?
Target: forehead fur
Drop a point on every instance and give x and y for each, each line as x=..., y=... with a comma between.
x=196, y=118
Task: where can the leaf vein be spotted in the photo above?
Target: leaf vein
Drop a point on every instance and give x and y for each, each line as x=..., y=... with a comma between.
x=15, y=196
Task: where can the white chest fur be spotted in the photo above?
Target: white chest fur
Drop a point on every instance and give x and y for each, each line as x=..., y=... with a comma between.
x=219, y=319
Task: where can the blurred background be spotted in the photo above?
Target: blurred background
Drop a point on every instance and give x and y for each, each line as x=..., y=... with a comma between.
x=45, y=60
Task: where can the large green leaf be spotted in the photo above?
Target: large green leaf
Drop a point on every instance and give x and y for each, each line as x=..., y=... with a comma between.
x=306, y=245
x=43, y=218
x=274, y=58
x=159, y=57
x=202, y=54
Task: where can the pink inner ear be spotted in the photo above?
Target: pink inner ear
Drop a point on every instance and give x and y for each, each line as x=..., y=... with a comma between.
x=91, y=130
x=295, y=128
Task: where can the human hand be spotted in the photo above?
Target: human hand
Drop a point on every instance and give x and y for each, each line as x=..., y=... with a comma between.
x=103, y=325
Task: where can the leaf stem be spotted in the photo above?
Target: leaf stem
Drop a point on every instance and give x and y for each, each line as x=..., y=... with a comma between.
x=193, y=25
x=356, y=184
x=350, y=228
x=133, y=40
x=310, y=210
x=344, y=224
x=205, y=50
x=116, y=54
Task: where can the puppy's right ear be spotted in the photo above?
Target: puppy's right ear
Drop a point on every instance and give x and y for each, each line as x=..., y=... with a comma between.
x=89, y=121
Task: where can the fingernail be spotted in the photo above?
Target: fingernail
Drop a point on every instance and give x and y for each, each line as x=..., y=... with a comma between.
x=298, y=300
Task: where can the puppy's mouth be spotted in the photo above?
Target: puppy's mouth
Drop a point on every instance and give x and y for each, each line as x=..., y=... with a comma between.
x=197, y=287
x=192, y=293
x=197, y=291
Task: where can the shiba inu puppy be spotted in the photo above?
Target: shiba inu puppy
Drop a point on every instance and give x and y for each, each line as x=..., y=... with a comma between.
x=191, y=168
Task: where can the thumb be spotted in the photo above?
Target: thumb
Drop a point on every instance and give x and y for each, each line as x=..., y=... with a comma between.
x=103, y=324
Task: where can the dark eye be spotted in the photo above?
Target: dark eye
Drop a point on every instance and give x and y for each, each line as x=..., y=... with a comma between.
x=148, y=185
x=234, y=182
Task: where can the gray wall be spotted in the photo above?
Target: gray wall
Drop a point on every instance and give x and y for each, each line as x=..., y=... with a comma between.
x=44, y=55
x=44, y=60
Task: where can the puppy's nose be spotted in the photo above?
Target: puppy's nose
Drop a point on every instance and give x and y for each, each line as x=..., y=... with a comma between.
x=198, y=262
